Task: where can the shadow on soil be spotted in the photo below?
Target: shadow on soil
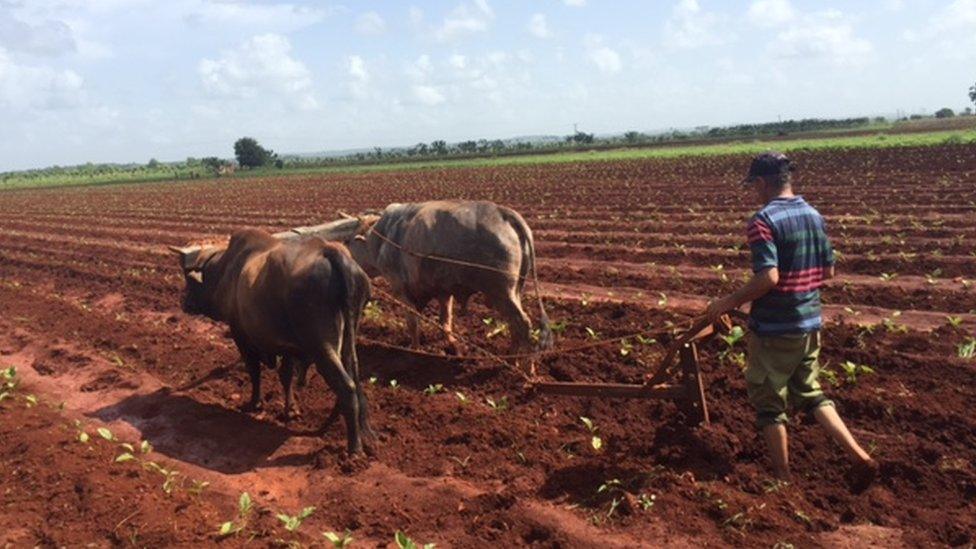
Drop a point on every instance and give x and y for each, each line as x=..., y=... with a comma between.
x=207, y=435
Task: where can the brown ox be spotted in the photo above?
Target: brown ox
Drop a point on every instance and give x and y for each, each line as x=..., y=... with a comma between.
x=298, y=298
x=451, y=249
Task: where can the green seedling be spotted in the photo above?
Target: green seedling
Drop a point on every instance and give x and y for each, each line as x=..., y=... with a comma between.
x=106, y=434
x=610, y=486
x=663, y=301
x=829, y=375
x=591, y=333
x=461, y=397
x=145, y=447
x=462, y=462
x=499, y=405
x=123, y=457
x=646, y=501
x=373, y=380
x=197, y=487
x=853, y=371
x=625, y=347
x=734, y=336
x=559, y=327
x=954, y=321
x=31, y=401
x=433, y=389
x=404, y=542
x=967, y=350
x=888, y=277
x=645, y=340
x=595, y=441
x=83, y=437
x=585, y=299
x=244, y=506
x=394, y=384
x=339, y=541
x=292, y=523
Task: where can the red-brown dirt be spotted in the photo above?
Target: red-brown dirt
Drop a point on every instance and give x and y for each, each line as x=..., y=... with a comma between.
x=90, y=318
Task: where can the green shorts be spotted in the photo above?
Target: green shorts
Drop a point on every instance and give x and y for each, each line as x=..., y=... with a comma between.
x=783, y=370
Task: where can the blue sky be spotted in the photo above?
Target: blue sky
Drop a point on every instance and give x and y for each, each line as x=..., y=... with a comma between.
x=128, y=80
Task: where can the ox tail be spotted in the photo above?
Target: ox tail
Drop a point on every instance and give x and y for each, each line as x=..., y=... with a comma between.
x=528, y=269
x=352, y=296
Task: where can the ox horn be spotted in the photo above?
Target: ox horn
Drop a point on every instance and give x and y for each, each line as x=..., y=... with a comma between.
x=177, y=249
x=344, y=215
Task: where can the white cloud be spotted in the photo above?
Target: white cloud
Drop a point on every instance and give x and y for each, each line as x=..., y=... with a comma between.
x=949, y=32
x=46, y=38
x=357, y=68
x=771, y=13
x=827, y=36
x=539, y=27
x=282, y=17
x=458, y=61
x=690, y=26
x=465, y=19
x=606, y=59
x=261, y=68
x=370, y=23
x=575, y=3
x=428, y=95
x=38, y=87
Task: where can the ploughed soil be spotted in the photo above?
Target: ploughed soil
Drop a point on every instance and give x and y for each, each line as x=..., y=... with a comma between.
x=469, y=454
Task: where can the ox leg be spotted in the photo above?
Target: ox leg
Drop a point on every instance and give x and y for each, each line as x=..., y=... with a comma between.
x=447, y=321
x=510, y=306
x=329, y=366
x=286, y=374
x=254, y=370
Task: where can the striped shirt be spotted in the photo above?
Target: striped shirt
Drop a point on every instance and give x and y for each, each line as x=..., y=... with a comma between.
x=789, y=234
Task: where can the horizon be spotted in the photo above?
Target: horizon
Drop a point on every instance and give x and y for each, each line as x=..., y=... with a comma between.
x=123, y=81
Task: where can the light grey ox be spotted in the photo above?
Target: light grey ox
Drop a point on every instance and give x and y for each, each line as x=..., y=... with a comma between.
x=452, y=249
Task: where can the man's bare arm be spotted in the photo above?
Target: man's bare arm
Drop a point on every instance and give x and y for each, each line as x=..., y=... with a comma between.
x=759, y=285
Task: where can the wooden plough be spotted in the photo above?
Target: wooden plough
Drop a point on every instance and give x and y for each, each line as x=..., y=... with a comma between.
x=689, y=392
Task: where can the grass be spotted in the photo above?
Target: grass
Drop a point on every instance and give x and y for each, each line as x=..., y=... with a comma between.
x=742, y=147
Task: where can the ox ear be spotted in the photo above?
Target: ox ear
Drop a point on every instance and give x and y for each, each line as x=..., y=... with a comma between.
x=359, y=237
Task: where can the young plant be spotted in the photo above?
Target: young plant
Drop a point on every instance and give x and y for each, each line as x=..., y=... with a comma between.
x=244, y=507
x=433, y=389
x=499, y=405
x=591, y=333
x=595, y=441
x=339, y=541
x=954, y=321
x=625, y=347
x=967, y=350
x=888, y=277
x=292, y=523
x=9, y=377
x=404, y=542
x=646, y=501
x=854, y=371
x=461, y=397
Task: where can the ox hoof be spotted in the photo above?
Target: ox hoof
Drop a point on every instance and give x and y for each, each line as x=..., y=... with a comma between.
x=250, y=407
x=289, y=415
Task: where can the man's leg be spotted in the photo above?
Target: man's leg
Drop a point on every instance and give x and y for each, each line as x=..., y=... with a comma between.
x=830, y=420
x=779, y=453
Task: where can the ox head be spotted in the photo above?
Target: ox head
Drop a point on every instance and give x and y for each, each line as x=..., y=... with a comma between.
x=359, y=245
x=194, y=261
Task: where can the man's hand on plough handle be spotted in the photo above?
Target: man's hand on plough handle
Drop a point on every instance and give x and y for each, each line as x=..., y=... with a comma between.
x=703, y=328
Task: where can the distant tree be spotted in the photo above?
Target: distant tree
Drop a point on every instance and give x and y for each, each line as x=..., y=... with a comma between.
x=250, y=154
x=944, y=113
x=467, y=146
x=972, y=93
x=438, y=147
x=580, y=138
x=968, y=111
x=279, y=163
x=880, y=120
x=632, y=137
x=212, y=164
x=152, y=164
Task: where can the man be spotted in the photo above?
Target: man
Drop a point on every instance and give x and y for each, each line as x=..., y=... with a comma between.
x=791, y=257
